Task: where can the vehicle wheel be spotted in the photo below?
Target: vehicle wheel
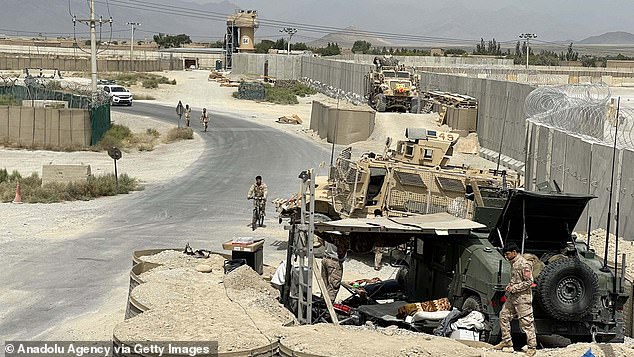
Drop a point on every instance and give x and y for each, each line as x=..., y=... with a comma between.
x=130, y=104
x=254, y=219
x=381, y=102
x=567, y=289
x=472, y=303
x=414, y=106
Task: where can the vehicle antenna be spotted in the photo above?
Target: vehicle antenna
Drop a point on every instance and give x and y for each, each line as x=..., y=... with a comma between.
x=616, y=246
x=502, y=136
x=607, y=231
x=589, y=228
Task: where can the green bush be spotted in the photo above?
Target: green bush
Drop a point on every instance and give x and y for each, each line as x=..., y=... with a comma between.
x=150, y=83
x=280, y=95
x=93, y=187
x=153, y=132
x=6, y=99
x=119, y=131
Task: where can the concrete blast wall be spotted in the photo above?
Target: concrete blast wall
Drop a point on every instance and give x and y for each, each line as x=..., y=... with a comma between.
x=500, y=109
x=416, y=61
x=80, y=64
x=341, y=126
x=45, y=126
x=581, y=166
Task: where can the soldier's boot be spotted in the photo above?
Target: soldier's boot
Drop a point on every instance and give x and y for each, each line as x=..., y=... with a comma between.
x=503, y=344
x=531, y=351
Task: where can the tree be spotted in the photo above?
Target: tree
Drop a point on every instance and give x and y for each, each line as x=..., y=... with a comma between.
x=217, y=44
x=361, y=46
x=168, y=41
x=281, y=44
x=264, y=46
x=332, y=49
x=299, y=46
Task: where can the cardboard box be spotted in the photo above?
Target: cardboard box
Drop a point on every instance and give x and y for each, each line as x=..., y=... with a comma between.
x=467, y=335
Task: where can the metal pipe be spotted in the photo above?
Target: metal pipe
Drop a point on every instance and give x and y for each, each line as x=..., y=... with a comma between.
x=589, y=229
x=616, y=246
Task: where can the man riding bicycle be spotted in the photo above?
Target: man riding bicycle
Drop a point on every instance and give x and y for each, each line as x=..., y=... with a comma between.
x=258, y=192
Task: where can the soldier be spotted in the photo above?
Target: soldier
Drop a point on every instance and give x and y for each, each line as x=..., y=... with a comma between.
x=519, y=301
x=332, y=266
x=188, y=113
x=204, y=119
x=260, y=191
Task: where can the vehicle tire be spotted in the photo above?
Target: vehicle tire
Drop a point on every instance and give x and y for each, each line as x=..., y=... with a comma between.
x=260, y=219
x=414, y=106
x=318, y=248
x=472, y=303
x=567, y=289
x=381, y=102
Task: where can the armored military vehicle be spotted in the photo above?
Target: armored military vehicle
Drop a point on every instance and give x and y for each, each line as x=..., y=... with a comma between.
x=575, y=295
x=390, y=86
x=417, y=177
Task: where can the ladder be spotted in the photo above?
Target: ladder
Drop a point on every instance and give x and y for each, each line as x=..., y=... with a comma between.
x=300, y=251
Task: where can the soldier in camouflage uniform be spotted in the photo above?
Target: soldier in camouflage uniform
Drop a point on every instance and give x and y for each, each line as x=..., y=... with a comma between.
x=519, y=301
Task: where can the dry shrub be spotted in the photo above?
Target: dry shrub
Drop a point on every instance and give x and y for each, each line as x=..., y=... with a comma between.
x=176, y=134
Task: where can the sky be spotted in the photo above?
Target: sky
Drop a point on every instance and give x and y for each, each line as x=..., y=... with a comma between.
x=420, y=21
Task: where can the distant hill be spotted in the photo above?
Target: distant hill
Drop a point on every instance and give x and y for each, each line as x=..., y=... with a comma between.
x=610, y=38
x=346, y=38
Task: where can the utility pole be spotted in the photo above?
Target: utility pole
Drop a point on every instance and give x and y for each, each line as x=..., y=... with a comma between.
x=528, y=37
x=92, y=22
x=290, y=31
x=133, y=24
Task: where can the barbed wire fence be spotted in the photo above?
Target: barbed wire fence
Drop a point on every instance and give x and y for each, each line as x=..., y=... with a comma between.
x=587, y=111
x=77, y=95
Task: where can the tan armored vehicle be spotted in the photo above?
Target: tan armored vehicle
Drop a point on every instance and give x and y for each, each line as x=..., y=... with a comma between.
x=390, y=86
x=416, y=177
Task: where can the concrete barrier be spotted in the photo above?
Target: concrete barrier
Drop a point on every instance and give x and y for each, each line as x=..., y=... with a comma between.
x=45, y=126
x=65, y=173
x=341, y=126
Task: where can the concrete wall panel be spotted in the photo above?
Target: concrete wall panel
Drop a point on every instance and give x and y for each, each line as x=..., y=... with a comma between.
x=65, y=127
x=558, y=158
x=577, y=172
x=40, y=126
x=349, y=126
x=78, y=127
x=543, y=155
x=600, y=184
x=15, y=120
x=52, y=127
x=626, y=197
x=27, y=125
x=4, y=122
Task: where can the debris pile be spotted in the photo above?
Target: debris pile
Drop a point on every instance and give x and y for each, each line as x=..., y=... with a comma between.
x=250, y=91
x=239, y=310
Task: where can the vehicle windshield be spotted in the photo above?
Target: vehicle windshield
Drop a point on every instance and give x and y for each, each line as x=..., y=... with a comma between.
x=118, y=89
x=402, y=74
x=389, y=74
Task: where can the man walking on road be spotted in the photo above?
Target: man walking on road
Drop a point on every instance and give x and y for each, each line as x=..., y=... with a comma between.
x=519, y=301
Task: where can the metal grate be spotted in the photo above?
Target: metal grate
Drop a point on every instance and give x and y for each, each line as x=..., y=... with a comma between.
x=409, y=179
x=449, y=184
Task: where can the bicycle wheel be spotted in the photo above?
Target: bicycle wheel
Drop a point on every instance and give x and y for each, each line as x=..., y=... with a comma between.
x=260, y=217
x=254, y=220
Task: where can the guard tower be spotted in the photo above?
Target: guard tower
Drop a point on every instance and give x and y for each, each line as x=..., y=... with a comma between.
x=240, y=33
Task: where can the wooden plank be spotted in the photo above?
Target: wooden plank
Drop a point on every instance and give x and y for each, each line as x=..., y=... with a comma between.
x=324, y=293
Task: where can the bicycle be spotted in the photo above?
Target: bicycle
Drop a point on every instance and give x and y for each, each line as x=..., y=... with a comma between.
x=258, y=212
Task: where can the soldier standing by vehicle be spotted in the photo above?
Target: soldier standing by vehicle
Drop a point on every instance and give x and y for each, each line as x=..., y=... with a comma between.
x=332, y=266
x=188, y=113
x=204, y=119
x=519, y=301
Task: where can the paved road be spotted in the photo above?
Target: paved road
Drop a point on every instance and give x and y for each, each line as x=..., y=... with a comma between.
x=205, y=207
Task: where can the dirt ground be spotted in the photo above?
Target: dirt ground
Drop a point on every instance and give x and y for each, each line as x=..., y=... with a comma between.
x=67, y=220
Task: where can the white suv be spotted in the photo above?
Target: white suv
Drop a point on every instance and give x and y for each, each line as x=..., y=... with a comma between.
x=118, y=95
